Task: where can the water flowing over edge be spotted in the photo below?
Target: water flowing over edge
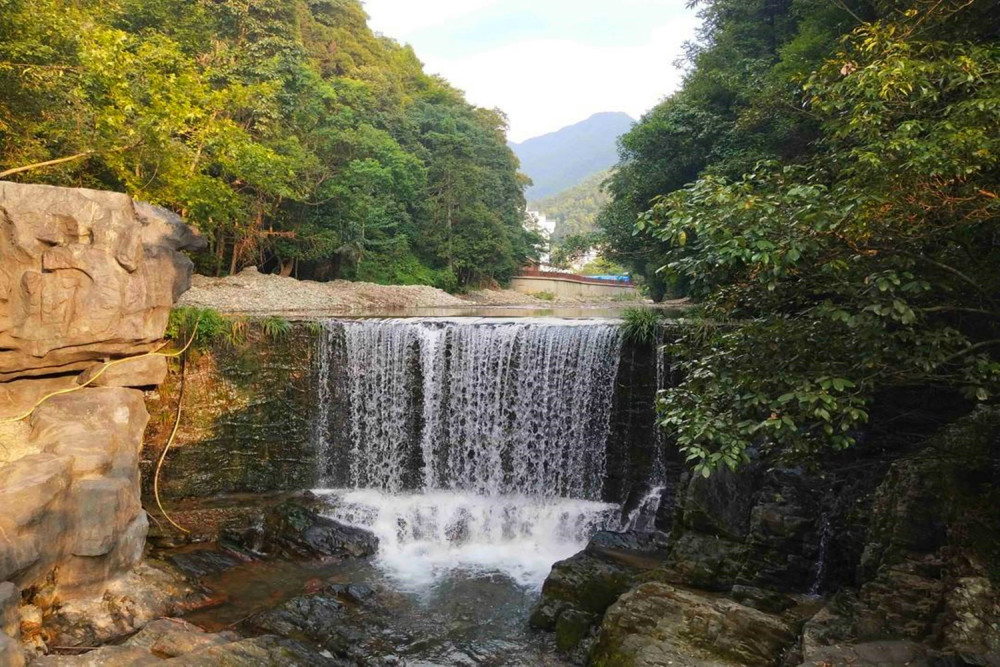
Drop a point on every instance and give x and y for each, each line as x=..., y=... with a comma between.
x=490, y=406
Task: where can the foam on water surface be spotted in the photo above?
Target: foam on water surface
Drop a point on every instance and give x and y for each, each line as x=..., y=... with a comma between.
x=424, y=537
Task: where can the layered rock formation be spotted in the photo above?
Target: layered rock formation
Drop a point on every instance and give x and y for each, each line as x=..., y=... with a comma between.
x=86, y=278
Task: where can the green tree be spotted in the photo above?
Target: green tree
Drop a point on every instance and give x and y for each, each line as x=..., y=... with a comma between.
x=862, y=273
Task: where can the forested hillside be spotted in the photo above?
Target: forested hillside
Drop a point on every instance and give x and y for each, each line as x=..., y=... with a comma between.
x=575, y=210
x=826, y=186
x=562, y=159
x=286, y=130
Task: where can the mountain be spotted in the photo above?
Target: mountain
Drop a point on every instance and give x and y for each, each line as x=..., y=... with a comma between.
x=575, y=209
x=559, y=160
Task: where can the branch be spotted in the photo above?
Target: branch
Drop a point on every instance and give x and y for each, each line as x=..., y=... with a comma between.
x=47, y=163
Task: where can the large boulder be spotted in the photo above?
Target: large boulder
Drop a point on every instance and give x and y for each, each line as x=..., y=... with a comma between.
x=658, y=624
x=83, y=277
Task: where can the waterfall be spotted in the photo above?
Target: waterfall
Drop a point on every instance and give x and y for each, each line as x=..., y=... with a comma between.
x=488, y=406
x=471, y=443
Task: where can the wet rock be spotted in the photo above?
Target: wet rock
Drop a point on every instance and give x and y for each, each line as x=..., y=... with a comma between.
x=294, y=530
x=572, y=627
x=266, y=651
x=656, y=623
x=356, y=593
x=199, y=563
x=784, y=533
x=188, y=646
x=153, y=631
x=583, y=582
x=310, y=618
x=886, y=653
x=704, y=561
x=629, y=541
x=764, y=600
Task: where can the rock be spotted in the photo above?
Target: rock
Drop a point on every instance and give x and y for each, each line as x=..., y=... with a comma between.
x=764, y=600
x=33, y=491
x=10, y=600
x=266, y=651
x=16, y=399
x=572, y=627
x=149, y=591
x=101, y=428
x=11, y=654
x=162, y=228
x=198, y=563
x=294, y=530
x=656, y=622
x=584, y=582
x=886, y=653
x=106, y=656
x=356, y=593
x=102, y=509
x=180, y=642
x=144, y=371
x=153, y=631
x=704, y=561
x=77, y=283
x=972, y=619
x=305, y=617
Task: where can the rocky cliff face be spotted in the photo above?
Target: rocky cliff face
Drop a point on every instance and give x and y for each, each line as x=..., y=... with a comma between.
x=772, y=566
x=85, y=277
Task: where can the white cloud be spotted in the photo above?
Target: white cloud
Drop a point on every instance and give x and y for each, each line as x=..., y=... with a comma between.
x=545, y=84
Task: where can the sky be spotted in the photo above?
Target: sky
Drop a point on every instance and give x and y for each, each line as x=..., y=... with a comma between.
x=546, y=63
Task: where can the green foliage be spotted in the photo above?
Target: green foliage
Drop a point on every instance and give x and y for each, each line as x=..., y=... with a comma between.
x=286, y=130
x=205, y=324
x=544, y=296
x=740, y=104
x=642, y=325
x=860, y=272
x=213, y=327
x=575, y=210
x=275, y=328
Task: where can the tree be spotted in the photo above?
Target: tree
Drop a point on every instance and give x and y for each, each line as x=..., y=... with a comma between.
x=865, y=271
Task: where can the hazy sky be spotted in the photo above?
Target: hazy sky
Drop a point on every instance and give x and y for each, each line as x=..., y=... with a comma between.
x=546, y=63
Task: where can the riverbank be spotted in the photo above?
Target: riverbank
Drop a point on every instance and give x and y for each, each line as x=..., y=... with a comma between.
x=253, y=292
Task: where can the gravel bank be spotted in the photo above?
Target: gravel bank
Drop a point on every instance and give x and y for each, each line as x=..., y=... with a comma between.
x=253, y=292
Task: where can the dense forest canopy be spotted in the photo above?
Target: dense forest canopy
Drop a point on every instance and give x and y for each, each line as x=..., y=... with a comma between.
x=285, y=129
x=827, y=186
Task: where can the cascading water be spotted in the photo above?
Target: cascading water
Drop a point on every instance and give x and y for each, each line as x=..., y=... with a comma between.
x=472, y=443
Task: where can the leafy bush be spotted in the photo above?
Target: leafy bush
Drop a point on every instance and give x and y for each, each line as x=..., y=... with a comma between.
x=544, y=296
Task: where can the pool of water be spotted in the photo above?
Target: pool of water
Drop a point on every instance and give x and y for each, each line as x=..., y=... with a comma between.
x=455, y=578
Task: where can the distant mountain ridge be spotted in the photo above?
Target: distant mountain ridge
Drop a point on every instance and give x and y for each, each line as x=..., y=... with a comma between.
x=560, y=160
